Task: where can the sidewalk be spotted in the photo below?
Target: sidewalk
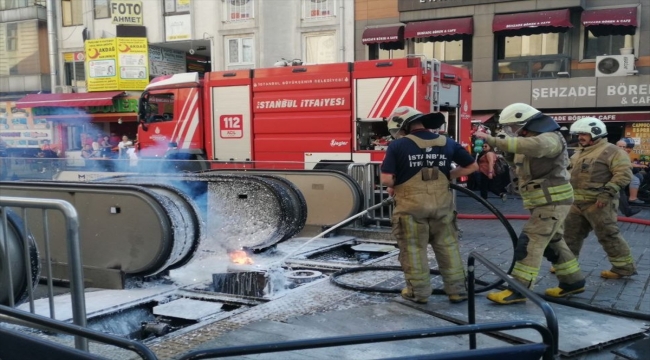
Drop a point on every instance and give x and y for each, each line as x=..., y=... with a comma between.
x=491, y=238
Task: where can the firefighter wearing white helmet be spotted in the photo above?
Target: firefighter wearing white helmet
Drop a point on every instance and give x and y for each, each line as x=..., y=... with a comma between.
x=417, y=171
x=534, y=145
x=599, y=170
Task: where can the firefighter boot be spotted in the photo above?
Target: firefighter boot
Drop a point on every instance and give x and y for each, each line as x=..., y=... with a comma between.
x=506, y=297
x=457, y=298
x=408, y=295
x=563, y=290
x=608, y=274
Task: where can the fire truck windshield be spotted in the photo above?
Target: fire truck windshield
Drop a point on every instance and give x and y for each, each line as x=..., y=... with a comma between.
x=156, y=107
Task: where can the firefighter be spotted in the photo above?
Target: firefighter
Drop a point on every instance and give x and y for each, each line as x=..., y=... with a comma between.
x=538, y=151
x=417, y=171
x=598, y=172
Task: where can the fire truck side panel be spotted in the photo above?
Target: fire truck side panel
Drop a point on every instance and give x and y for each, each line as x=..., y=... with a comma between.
x=299, y=110
x=225, y=95
x=307, y=123
x=231, y=123
x=377, y=98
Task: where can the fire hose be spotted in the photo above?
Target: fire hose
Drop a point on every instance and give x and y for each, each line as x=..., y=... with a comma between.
x=484, y=285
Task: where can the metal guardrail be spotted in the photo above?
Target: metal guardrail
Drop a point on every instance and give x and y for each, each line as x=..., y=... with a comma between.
x=74, y=255
x=46, y=349
x=549, y=333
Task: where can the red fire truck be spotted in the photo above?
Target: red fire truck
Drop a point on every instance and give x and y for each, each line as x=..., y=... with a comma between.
x=298, y=116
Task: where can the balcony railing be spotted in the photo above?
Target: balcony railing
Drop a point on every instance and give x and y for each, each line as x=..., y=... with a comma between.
x=531, y=67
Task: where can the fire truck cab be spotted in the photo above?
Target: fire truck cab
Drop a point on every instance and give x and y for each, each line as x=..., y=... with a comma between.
x=296, y=117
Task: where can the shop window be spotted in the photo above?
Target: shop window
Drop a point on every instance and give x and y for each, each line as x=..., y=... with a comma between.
x=238, y=10
x=375, y=52
x=320, y=48
x=100, y=7
x=75, y=74
x=533, y=45
x=240, y=53
x=72, y=12
x=532, y=56
x=455, y=51
x=12, y=36
x=14, y=4
x=318, y=9
x=605, y=45
x=176, y=6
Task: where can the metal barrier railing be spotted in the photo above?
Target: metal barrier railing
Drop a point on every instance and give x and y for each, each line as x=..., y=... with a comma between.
x=550, y=335
x=74, y=256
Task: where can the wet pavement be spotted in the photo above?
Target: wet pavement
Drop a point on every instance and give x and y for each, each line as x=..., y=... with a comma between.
x=322, y=309
x=316, y=307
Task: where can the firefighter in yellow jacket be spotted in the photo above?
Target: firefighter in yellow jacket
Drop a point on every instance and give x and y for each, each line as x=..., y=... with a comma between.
x=533, y=144
x=417, y=170
x=598, y=171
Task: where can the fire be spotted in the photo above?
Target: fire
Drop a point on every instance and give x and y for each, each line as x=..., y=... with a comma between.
x=240, y=257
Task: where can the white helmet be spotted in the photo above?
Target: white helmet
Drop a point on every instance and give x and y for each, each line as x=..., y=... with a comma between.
x=402, y=117
x=514, y=117
x=591, y=126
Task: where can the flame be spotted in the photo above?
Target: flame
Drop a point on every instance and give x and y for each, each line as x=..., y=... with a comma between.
x=240, y=257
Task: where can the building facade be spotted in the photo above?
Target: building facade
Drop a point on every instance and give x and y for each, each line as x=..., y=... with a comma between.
x=225, y=34
x=181, y=36
x=569, y=58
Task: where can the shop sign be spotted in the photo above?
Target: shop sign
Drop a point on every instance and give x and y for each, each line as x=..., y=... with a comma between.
x=126, y=12
x=120, y=105
x=626, y=91
x=78, y=56
x=605, y=117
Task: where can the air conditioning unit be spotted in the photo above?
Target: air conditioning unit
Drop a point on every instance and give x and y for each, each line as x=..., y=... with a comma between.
x=64, y=90
x=614, y=65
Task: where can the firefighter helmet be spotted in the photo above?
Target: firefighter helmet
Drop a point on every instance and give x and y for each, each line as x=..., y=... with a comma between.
x=591, y=126
x=402, y=117
x=519, y=116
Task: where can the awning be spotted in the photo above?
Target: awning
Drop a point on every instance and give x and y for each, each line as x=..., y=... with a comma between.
x=442, y=30
x=385, y=34
x=530, y=23
x=619, y=21
x=68, y=100
x=621, y=116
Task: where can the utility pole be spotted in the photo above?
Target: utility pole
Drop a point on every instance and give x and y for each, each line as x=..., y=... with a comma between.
x=51, y=42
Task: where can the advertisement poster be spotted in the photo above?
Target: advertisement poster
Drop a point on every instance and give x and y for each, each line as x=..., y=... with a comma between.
x=132, y=58
x=101, y=65
x=640, y=132
x=20, y=130
x=178, y=27
x=165, y=61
